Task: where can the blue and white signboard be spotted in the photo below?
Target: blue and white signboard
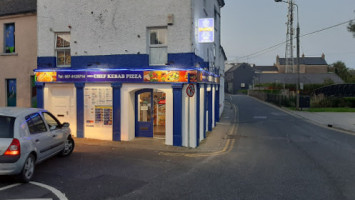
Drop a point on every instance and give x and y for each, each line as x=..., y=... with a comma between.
x=206, y=30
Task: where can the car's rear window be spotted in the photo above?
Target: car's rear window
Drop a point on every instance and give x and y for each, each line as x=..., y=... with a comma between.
x=6, y=127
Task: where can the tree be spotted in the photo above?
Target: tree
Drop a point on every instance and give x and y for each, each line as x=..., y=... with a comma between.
x=342, y=71
x=351, y=27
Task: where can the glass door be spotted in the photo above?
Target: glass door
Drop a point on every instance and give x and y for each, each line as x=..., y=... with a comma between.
x=144, y=113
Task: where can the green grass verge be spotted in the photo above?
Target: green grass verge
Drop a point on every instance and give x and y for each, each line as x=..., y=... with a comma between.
x=331, y=110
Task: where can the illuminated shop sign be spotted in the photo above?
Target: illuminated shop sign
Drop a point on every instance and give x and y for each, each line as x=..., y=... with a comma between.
x=124, y=76
x=206, y=30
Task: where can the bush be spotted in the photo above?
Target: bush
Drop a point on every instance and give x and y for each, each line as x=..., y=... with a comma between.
x=320, y=101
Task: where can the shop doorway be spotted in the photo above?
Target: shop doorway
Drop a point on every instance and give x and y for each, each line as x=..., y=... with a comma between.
x=60, y=101
x=150, y=113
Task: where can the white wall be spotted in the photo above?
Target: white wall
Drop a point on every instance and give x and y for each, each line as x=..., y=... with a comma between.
x=128, y=110
x=205, y=51
x=202, y=111
x=106, y=27
x=189, y=135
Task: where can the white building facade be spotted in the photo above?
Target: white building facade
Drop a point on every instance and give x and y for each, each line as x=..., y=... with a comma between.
x=117, y=70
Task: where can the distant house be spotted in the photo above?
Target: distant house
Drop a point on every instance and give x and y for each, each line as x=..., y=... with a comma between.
x=292, y=78
x=18, y=52
x=308, y=65
x=239, y=77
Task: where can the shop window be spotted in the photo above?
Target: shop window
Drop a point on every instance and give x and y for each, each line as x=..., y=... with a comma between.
x=9, y=38
x=33, y=92
x=158, y=54
x=11, y=92
x=62, y=48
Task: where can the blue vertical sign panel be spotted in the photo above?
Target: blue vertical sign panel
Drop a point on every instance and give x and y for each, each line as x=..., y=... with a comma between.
x=206, y=30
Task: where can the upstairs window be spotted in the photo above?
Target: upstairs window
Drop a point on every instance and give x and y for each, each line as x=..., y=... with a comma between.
x=62, y=48
x=158, y=50
x=9, y=38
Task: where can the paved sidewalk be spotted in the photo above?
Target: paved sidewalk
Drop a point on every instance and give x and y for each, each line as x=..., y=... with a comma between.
x=344, y=121
x=214, y=142
x=338, y=120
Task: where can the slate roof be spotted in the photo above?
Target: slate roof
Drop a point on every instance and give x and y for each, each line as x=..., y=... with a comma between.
x=306, y=61
x=236, y=66
x=13, y=7
x=266, y=68
x=292, y=78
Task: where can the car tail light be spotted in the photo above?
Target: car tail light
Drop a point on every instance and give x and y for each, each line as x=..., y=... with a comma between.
x=14, y=148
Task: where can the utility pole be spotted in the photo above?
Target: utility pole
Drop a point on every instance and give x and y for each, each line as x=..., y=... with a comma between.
x=289, y=47
x=289, y=65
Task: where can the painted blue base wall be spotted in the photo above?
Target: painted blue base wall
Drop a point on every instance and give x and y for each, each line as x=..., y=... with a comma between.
x=80, y=109
x=116, y=111
x=126, y=61
x=209, y=97
x=40, y=95
x=177, y=114
x=205, y=110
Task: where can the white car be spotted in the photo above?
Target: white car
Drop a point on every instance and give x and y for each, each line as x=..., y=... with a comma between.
x=29, y=136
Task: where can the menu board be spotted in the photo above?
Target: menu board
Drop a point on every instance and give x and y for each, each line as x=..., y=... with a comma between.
x=98, y=106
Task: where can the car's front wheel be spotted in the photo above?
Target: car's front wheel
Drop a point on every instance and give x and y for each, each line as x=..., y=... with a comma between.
x=28, y=169
x=68, y=147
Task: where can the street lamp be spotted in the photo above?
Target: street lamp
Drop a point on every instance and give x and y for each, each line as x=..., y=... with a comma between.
x=298, y=52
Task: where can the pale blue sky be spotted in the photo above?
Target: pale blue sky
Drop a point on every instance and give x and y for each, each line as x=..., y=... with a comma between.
x=249, y=26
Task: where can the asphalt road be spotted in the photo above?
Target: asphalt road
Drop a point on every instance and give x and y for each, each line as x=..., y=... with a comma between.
x=275, y=156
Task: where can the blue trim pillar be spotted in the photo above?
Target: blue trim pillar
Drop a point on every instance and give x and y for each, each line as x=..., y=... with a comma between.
x=217, y=104
x=205, y=111
x=177, y=114
x=80, y=109
x=40, y=94
x=116, y=111
x=198, y=87
x=210, y=107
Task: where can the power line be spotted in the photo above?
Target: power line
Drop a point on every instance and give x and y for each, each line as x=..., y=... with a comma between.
x=261, y=52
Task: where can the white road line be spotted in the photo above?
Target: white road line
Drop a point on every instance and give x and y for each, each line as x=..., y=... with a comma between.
x=10, y=186
x=60, y=195
x=29, y=199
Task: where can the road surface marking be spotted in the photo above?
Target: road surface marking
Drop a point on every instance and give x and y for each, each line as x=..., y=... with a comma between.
x=10, y=186
x=260, y=117
x=56, y=192
x=31, y=199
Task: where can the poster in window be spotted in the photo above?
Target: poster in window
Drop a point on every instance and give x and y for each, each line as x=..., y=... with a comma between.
x=98, y=106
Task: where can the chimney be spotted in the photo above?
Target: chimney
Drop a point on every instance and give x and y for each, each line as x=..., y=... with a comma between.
x=303, y=55
x=323, y=56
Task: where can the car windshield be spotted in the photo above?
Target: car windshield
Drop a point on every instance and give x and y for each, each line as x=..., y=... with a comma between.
x=7, y=127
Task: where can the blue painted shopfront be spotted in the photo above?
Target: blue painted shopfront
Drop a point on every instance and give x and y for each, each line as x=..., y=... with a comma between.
x=88, y=70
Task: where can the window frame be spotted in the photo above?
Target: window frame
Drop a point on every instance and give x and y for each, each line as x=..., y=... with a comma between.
x=4, y=38
x=64, y=49
x=59, y=125
x=158, y=46
x=29, y=117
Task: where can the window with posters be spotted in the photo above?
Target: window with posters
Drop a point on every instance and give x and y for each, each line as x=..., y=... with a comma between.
x=98, y=107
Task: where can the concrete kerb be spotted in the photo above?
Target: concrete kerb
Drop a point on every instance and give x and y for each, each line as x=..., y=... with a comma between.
x=311, y=120
x=218, y=141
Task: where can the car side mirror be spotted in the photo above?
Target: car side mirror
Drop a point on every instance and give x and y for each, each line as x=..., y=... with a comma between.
x=65, y=124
